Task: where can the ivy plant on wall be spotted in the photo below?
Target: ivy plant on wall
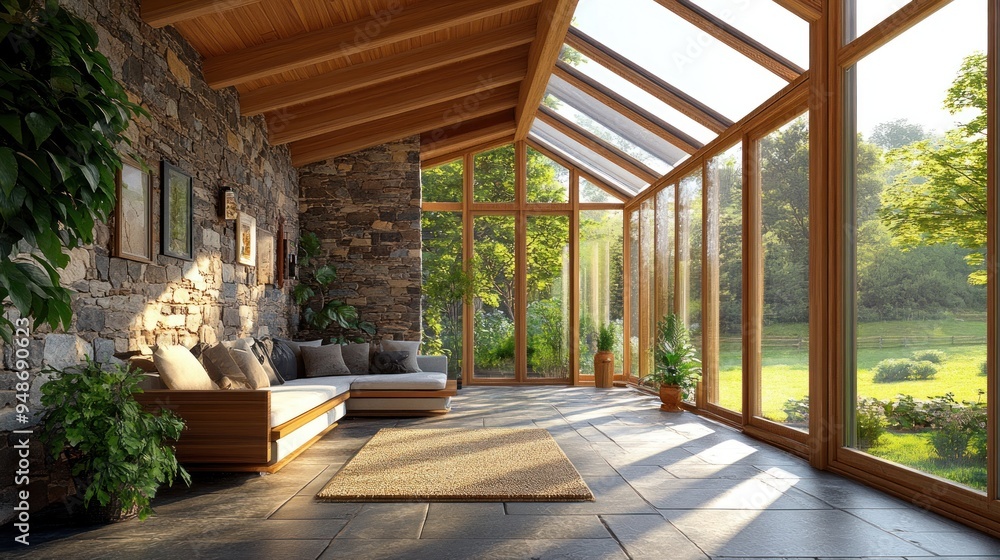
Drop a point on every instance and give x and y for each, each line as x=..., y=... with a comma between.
x=62, y=114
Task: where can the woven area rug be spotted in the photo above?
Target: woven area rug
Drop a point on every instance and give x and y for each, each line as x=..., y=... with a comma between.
x=458, y=465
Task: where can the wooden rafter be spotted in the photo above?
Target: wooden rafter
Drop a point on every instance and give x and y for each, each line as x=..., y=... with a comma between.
x=341, y=40
x=598, y=145
x=809, y=10
x=465, y=80
x=438, y=143
x=553, y=22
x=647, y=81
x=382, y=70
x=160, y=13
x=736, y=39
x=893, y=26
x=627, y=108
x=447, y=115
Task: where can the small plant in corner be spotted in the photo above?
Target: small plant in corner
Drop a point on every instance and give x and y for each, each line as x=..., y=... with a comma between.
x=604, y=359
x=319, y=311
x=676, y=370
x=118, y=453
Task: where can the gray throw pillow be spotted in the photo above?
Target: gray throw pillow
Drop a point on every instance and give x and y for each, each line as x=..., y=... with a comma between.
x=322, y=361
x=261, y=349
x=356, y=357
x=390, y=362
x=223, y=370
x=296, y=346
x=284, y=360
x=251, y=368
x=404, y=346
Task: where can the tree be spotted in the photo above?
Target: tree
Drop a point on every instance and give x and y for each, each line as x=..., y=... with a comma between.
x=896, y=134
x=940, y=196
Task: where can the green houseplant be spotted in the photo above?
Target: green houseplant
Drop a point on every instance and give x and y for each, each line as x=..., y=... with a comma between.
x=604, y=359
x=118, y=454
x=676, y=370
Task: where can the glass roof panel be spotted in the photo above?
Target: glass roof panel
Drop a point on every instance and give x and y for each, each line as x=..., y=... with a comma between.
x=872, y=12
x=572, y=98
x=759, y=19
x=682, y=54
x=581, y=156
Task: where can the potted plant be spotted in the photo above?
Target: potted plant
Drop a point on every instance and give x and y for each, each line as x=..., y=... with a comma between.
x=604, y=359
x=676, y=370
x=118, y=454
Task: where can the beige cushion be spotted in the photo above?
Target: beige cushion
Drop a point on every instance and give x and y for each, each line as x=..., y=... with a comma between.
x=223, y=370
x=321, y=361
x=410, y=363
x=251, y=368
x=180, y=370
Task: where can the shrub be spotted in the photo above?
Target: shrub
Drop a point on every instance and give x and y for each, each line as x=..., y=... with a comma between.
x=892, y=370
x=933, y=356
x=871, y=422
x=982, y=369
x=949, y=438
x=797, y=410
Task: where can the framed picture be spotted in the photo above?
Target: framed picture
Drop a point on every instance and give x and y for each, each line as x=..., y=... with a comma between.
x=265, y=257
x=133, y=235
x=246, y=240
x=176, y=213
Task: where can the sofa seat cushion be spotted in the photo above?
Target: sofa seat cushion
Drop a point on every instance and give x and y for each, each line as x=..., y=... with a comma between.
x=424, y=380
x=298, y=396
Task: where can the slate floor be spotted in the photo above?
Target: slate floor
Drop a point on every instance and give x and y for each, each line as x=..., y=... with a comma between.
x=668, y=486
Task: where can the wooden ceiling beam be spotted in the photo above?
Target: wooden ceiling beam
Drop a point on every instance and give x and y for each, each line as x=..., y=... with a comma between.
x=734, y=38
x=630, y=110
x=348, y=38
x=442, y=143
x=647, y=81
x=809, y=10
x=469, y=80
x=554, y=18
x=386, y=69
x=444, y=116
x=598, y=145
x=161, y=13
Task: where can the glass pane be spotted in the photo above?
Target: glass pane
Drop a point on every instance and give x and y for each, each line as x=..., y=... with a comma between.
x=493, y=175
x=871, y=13
x=591, y=192
x=665, y=251
x=759, y=19
x=494, y=261
x=633, y=312
x=689, y=259
x=920, y=209
x=547, y=180
x=581, y=156
x=601, y=283
x=548, y=296
x=784, y=179
x=724, y=246
x=442, y=183
x=444, y=284
x=647, y=251
x=684, y=56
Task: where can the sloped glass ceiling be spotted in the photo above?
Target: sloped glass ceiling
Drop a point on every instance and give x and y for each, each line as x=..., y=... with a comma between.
x=583, y=157
x=768, y=23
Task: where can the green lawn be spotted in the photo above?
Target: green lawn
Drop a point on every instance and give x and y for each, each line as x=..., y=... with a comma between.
x=915, y=451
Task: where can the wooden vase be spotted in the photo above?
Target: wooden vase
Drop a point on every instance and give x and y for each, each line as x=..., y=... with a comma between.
x=604, y=369
x=671, y=397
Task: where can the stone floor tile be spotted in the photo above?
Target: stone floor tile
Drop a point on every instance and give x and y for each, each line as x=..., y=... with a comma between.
x=907, y=519
x=695, y=470
x=515, y=527
x=307, y=507
x=650, y=537
x=713, y=493
x=463, y=509
x=841, y=493
x=612, y=495
x=964, y=543
x=386, y=521
x=478, y=549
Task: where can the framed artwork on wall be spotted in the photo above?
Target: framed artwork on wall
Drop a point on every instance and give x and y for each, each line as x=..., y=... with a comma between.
x=246, y=240
x=265, y=257
x=176, y=213
x=133, y=235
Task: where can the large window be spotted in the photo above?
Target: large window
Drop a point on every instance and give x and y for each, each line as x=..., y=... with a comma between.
x=548, y=296
x=601, y=283
x=634, y=299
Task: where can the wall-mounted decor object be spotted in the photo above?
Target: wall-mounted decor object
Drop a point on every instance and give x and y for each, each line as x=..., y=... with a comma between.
x=176, y=213
x=133, y=237
x=246, y=240
x=228, y=204
x=291, y=261
x=279, y=257
x=265, y=257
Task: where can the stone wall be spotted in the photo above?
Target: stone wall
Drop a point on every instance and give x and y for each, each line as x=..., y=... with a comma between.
x=126, y=305
x=365, y=208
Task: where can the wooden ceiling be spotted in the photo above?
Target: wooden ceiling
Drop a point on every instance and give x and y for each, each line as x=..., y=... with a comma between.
x=334, y=76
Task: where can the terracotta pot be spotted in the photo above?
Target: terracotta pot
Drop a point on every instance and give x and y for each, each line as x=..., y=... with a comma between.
x=604, y=369
x=671, y=397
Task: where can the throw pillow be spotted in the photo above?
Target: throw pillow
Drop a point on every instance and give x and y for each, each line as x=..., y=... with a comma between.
x=390, y=362
x=296, y=346
x=321, y=361
x=261, y=349
x=284, y=360
x=404, y=346
x=222, y=368
x=356, y=357
x=251, y=368
x=180, y=370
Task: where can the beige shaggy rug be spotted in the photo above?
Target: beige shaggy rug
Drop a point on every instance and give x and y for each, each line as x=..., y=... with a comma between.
x=458, y=465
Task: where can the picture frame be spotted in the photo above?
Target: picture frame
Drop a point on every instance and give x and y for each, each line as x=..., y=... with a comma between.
x=176, y=213
x=265, y=257
x=246, y=240
x=133, y=230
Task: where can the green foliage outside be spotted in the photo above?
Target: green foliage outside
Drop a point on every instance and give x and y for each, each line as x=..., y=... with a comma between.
x=901, y=369
x=62, y=119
